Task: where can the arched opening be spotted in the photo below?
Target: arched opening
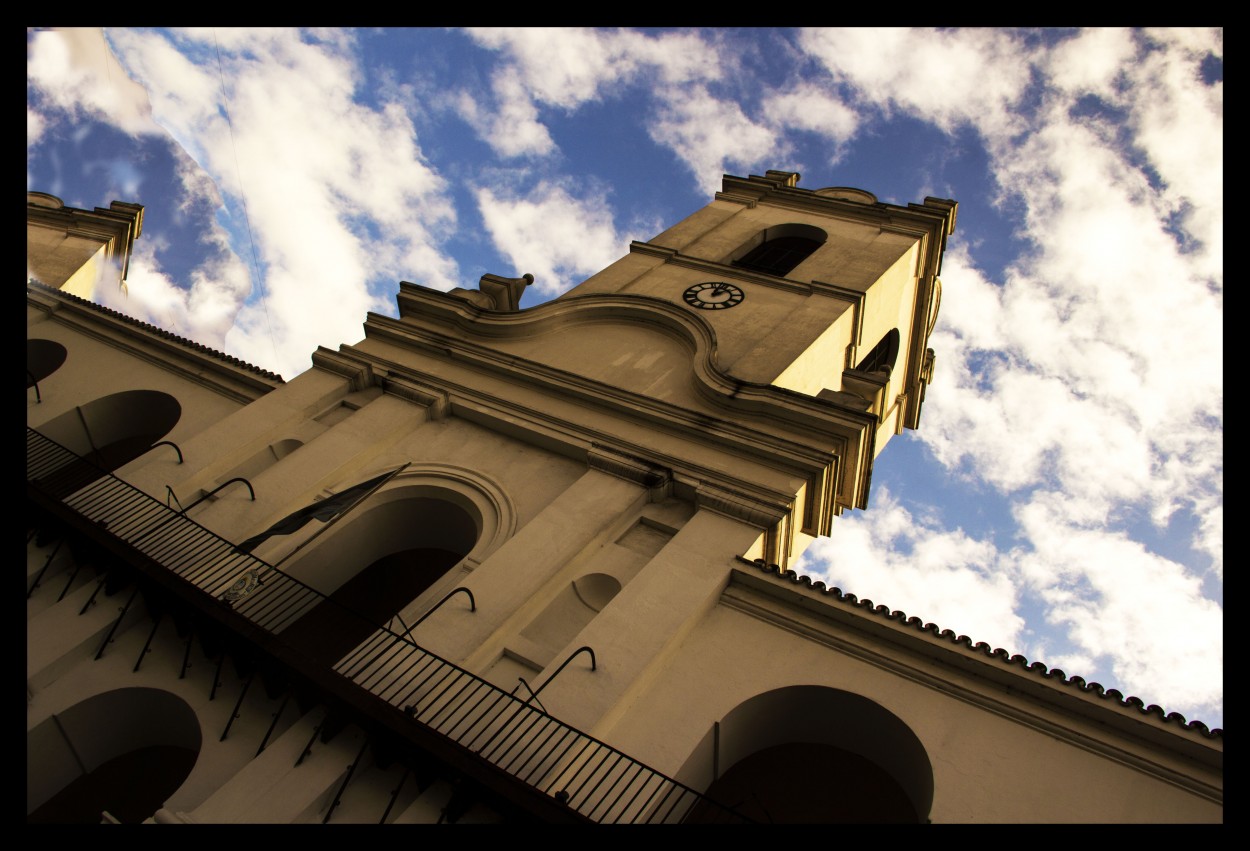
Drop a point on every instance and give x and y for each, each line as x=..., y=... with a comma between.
x=374, y=566
x=883, y=355
x=777, y=250
x=124, y=751
x=812, y=754
x=110, y=432
x=811, y=783
x=264, y=459
x=568, y=614
x=43, y=357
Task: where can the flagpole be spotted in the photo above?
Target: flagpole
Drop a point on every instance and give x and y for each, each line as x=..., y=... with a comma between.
x=336, y=517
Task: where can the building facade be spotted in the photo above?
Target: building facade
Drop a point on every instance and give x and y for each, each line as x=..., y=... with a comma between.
x=492, y=564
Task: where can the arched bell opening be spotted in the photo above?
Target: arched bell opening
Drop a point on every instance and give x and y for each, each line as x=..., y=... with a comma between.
x=779, y=249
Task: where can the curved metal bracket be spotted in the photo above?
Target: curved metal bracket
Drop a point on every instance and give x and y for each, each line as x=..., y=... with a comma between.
x=563, y=665
x=174, y=445
x=450, y=594
x=219, y=487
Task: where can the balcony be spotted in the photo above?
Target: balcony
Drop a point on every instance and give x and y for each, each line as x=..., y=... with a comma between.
x=406, y=699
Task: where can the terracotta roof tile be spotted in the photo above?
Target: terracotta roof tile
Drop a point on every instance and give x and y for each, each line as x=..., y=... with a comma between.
x=160, y=332
x=1036, y=668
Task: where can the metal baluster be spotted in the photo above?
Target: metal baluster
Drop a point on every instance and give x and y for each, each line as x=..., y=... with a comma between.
x=308, y=747
x=273, y=725
x=39, y=576
x=186, y=657
x=108, y=638
x=237, y=707
x=156, y=622
x=212, y=693
x=91, y=599
x=394, y=796
x=351, y=769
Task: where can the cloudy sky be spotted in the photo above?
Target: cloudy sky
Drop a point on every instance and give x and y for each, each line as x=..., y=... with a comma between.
x=1063, y=498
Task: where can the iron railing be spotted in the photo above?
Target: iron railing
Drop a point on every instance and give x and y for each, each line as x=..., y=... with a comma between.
x=594, y=779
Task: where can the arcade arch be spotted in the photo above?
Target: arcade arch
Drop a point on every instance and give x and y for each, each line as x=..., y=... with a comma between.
x=813, y=754
x=124, y=751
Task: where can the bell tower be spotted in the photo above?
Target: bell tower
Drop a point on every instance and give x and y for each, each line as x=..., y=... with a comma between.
x=823, y=295
x=833, y=294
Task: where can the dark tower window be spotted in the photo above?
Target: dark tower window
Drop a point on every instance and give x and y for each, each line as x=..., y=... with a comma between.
x=882, y=356
x=777, y=250
x=778, y=256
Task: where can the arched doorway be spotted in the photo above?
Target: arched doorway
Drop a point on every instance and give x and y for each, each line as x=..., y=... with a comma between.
x=387, y=556
x=43, y=357
x=124, y=752
x=815, y=755
x=109, y=432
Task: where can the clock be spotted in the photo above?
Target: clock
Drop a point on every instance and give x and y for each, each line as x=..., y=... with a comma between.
x=714, y=295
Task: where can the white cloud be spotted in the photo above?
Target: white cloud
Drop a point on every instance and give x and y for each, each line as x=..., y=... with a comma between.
x=1094, y=363
x=557, y=66
x=1087, y=384
x=809, y=107
x=567, y=67
x=74, y=71
x=1116, y=600
x=35, y=125
x=337, y=197
x=946, y=77
x=711, y=136
x=1091, y=61
x=941, y=576
x=551, y=234
x=514, y=130
x=1179, y=124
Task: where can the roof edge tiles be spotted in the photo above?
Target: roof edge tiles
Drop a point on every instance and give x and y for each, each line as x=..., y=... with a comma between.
x=160, y=332
x=1036, y=668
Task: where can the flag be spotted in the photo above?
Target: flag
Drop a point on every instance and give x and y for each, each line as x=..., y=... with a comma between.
x=324, y=510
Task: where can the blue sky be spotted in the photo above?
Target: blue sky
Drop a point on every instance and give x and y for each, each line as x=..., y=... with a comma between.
x=1063, y=498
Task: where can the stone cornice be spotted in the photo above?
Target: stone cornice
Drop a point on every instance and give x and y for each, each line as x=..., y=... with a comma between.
x=358, y=372
x=609, y=453
x=718, y=270
x=733, y=395
x=765, y=447
x=850, y=430
x=628, y=467
x=116, y=227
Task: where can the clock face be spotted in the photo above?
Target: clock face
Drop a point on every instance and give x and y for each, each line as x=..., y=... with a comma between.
x=714, y=295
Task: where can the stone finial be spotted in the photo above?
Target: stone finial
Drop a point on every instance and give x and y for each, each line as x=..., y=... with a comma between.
x=496, y=292
x=505, y=292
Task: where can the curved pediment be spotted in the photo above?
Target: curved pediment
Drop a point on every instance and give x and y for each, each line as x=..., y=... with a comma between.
x=620, y=350
x=634, y=343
